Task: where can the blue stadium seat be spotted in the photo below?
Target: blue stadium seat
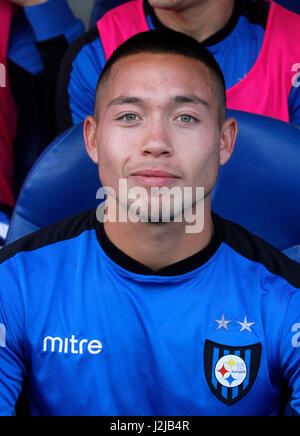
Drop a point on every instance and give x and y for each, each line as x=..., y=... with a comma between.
x=62, y=182
x=259, y=187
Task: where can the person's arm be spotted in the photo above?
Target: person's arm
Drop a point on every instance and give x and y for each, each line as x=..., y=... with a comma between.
x=39, y=21
x=41, y=34
x=77, y=81
x=40, y=37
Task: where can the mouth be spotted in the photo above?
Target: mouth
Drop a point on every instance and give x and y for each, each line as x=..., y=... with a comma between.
x=155, y=178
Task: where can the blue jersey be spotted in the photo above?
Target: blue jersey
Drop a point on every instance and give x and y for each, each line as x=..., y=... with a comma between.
x=93, y=332
x=236, y=48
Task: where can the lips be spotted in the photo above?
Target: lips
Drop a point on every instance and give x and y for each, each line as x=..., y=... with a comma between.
x=155, y=173
x=149, y=177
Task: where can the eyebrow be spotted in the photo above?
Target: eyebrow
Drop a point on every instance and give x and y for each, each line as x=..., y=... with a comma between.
x=125, y=100
x=190, y=99
x=177, y=99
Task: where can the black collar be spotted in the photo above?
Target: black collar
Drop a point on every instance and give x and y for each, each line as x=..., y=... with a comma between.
x=212, y=40
x=184, y=266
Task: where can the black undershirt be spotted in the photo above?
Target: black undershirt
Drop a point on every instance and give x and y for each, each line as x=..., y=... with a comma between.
x=256, y=13
x=182, y=267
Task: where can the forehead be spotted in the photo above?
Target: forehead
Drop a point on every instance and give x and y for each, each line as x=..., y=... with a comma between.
x=154, y=75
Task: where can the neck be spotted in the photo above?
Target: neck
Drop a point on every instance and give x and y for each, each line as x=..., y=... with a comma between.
x=200, y=21
x=159, y=245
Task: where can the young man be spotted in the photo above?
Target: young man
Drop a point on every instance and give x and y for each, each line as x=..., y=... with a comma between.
x=138, y=316
x=253, y=42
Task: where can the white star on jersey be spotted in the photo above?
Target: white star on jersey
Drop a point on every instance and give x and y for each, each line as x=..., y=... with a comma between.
x=222, y=323
x=246, y=325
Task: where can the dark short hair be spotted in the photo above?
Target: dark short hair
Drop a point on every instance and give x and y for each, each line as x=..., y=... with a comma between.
x=166, y=41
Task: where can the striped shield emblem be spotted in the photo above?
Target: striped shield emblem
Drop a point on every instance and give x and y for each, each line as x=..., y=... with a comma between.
x=231, y=371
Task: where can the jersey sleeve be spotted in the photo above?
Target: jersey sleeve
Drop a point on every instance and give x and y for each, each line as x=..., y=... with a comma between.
x=12, y=362
x=33, y=27
x=289, y=352
x=52, y=19
x=77, y=81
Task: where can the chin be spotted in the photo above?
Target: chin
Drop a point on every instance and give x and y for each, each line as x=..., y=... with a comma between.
x=164, y=4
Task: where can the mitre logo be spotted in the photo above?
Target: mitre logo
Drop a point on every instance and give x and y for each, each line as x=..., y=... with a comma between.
x=71, y=345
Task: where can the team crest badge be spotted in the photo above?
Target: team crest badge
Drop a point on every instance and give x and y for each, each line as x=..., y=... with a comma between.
x=231, y=371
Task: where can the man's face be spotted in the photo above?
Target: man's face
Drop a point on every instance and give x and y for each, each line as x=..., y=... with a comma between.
x=158, y=125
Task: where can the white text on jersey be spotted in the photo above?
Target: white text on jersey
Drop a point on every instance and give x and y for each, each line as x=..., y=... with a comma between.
x=71, y=346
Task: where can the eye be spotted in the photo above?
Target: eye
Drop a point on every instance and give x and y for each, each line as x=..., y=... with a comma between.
x=187, y=119
x=129, y=117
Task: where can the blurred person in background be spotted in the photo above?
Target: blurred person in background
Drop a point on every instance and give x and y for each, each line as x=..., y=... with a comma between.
x=8, y=123
x=35, y=34
x=41, y=32
x=254, y=43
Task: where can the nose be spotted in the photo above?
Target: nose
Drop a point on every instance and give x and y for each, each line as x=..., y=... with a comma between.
x=157, y=140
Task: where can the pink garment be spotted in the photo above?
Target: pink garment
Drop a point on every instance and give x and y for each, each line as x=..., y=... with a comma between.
x=120, y=24
x=8, y=111
x=266, y=87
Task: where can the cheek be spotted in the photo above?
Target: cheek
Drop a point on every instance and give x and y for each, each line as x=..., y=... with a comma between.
x=105, y=160
x=203, y=164
x=110, y=161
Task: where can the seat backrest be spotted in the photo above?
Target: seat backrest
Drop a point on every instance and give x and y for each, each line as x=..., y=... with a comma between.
x=62, y=182
x=258, y=188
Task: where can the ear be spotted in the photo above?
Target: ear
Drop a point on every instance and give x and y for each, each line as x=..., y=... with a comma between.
x=89, y=132
x=228, y=137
